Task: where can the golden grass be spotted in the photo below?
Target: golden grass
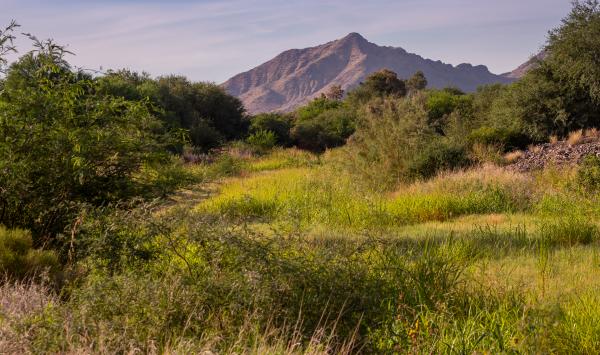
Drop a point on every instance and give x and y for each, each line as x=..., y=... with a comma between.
x=592, y=133
x=513, y=157
x=569, y=272
x=575, y=138
x=312, y=196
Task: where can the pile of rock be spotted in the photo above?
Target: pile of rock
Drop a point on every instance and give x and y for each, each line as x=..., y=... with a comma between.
x=555, y=154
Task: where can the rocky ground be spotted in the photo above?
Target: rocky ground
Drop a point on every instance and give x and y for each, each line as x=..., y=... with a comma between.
x=557, y=154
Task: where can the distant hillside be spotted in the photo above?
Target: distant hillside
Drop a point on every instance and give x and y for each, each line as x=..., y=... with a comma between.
x=527, y=66
x=295, y=76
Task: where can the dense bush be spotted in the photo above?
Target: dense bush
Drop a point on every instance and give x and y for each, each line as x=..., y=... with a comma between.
x=562, y=94
x=588, y=174
x=507, y=138
x=438, y=156
x=62, y=143
x=263, y=140
x=322, y=124
x=205, y=110
x=279, y=124
x=380, y=84
x=18, y=259
x=396, y=142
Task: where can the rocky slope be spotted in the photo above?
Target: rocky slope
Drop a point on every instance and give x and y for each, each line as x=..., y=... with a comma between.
x=298, y=75
x=557, y=154
x=525, y=67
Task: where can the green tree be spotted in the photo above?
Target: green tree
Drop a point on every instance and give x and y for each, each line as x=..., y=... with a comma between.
x=6, y=43
x=417, y=82
x=205, y=110
x=63, y=143
x=563, y=93
x=384, y=83
x=380, y=84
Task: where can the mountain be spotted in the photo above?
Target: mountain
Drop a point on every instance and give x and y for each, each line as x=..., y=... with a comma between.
x=527, y=66
x=298, y=75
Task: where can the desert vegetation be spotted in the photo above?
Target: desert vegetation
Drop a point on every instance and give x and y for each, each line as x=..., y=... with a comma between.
x=154, y=215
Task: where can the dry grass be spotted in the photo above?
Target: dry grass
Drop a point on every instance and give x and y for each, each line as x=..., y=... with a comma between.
x=486, y=153
x=554, y=139
x=513, y=157
x=592, y=133
x=467, y=180
x=21, y=301
x=534, y=148
x=575, y=138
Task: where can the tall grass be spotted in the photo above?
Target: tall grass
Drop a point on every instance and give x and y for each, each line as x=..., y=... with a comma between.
x=319, y=196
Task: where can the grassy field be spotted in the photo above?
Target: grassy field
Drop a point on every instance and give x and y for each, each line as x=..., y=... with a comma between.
x=287, y=254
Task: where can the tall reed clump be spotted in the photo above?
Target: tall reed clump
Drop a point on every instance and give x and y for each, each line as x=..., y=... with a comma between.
x=394, y=142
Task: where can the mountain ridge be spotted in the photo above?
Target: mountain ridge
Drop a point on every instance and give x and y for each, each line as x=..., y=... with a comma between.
x=295, y=76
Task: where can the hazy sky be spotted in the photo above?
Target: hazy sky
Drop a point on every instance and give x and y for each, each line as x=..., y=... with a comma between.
x=216, y=39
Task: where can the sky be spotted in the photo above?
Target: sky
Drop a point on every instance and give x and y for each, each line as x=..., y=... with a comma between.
x=212, y=40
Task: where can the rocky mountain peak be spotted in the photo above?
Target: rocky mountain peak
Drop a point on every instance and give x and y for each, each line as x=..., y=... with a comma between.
x=296, y=76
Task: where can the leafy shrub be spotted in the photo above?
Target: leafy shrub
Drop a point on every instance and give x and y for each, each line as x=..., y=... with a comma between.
x=263, y=140
x=18, y=259
x=204, y=136
x=315, y=108
x=388, y=137
x=226, y=165
x=507, y=138
x=204, y=109
x=588, y=175
x=315, y=136
x=438, y=156
x=562, y=94
x=279, y=124
x=62, y=143
x=441, y=103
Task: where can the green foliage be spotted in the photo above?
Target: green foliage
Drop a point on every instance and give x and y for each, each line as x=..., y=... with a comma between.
x=563, y=93
x=508, y=138
x=574, y=48
x=417, y=82
x=395, y=142
x=279, y=124
x=315, y=108
x=384, y=83
x=440, y=155
x=6, y=43
x=379, y=84
x=18, y=259
x=441, y=103
x=204, y=109
x=588, y=175
x=322, y=124
x=63, y=143
x=263, y=140
x=204, y=136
